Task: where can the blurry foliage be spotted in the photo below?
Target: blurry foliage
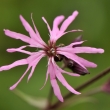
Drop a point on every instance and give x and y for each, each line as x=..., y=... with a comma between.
x=93, y=18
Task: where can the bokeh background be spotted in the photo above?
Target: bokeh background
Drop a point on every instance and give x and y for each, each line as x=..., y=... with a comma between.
x=93, y=19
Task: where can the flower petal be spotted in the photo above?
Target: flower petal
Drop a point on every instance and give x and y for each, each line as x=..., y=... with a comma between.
x=16, y=35
x=47, y=74
x=87, y=50
x=70, y=45
x=60, y=34
x=31, y=32
x=34, y=56
x=75, y=43
x=19, y=50
x=48, y=71
x=28, y=60
x=47, y=25
x=63, y=81
x=16, y=63
x=82, y=62
x=56, y=22
x=56, y=89
x=14, y=86
x=68, y=21
x=34, y=63
x=37, y=33
x=85, y=62
x=31, y=73
x=52, y=71
x=22, y=37
x=28, y=27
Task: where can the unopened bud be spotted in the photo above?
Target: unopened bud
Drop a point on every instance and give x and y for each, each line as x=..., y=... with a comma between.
x=106, y=87
x=75, y=67
x=77, y=39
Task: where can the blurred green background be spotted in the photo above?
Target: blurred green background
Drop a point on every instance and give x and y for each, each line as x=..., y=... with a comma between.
x=93, y=18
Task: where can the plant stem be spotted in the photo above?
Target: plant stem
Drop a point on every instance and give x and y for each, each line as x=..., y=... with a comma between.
x=78, y=98
x=81, y=87
x=50, y=96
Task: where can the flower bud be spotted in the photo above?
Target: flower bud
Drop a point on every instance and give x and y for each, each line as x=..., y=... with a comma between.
x=75, y=67
x=106, y=87
x=77, y=39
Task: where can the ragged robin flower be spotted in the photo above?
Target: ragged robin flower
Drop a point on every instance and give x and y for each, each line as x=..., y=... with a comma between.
x=49, y=50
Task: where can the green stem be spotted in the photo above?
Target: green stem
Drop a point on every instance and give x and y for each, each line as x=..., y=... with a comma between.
x=78, y=98
x=50, y=97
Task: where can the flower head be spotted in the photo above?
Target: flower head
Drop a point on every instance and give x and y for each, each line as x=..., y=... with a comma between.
x=51, y=51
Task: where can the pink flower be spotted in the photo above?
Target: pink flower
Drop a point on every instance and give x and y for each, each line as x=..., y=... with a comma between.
x=50, y=50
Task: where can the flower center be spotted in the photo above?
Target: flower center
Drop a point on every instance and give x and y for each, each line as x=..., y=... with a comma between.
x=51, y=51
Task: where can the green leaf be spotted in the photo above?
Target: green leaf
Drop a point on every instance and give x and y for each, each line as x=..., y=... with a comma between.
x=34, y=101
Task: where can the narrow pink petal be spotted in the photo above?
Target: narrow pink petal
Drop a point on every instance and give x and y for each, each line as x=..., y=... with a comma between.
x=37, y=33
x=16, y=35
x=47, y=74
x=30, y=31
x=34, y=63
x=19, y=50
x=28, y=27
x=33, y=43
x=56, y=89
x=31, y=73
x=23, y=61
x=66, y=49
x=84, y=63
x=47, y=25
x=70, y=46
x=16, y=63
x=34, y=56
x=68, y=21
x=75, y=43
x=52, y=71
x=60, y=34
x=22, y=37
x=63, y=81
x=87, y=50
x=14, y=86
x=56, y=22
x=48, y=71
